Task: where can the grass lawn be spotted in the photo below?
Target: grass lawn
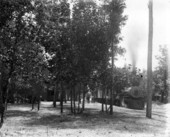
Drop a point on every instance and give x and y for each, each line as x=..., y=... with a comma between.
x=22, y=122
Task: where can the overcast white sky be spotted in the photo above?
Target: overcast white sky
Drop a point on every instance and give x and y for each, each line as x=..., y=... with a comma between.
x=135, y=32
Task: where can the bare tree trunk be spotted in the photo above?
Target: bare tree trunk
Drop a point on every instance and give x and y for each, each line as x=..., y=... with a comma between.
x=17, y=96
x=61, y=98
x=111, y=93
x=39, y=102
x=55, y=95
x=74, y=100
x=162, y=96
x=79, y=97
x=106, y=101
x=6, y=99
x=84, y=92
x=33, y=100
x=1, y=101
x=71, y=100
x=7, y=92
x=65, y=96
x=102, y=99
x=25, y=97
x=149, y=67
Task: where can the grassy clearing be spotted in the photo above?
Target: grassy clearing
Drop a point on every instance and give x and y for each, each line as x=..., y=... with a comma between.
x=22, y=122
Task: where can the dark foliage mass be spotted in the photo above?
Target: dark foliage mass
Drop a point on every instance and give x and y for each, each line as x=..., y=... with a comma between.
x=60, y=46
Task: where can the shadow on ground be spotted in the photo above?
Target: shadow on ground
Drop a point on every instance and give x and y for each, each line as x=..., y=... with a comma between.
x=19, y=113
x=122, y=120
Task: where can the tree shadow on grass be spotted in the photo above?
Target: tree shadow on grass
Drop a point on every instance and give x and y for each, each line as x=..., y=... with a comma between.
x=123, y=120
x=67, y=108
x=97, y=120
x=18, y=113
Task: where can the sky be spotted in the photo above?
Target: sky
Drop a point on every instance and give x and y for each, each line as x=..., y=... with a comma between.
x=135, y=32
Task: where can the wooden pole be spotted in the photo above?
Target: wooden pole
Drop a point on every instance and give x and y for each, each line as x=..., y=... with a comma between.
x=149, y=65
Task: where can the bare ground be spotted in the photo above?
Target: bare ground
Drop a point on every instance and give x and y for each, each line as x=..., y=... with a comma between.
x=22, y=122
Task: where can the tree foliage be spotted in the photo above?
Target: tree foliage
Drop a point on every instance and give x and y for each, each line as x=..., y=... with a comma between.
x=160, y=75
x=21, y=56
x=74, y=44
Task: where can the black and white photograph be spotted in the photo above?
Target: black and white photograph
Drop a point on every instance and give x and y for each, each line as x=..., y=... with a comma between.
x=84, y=68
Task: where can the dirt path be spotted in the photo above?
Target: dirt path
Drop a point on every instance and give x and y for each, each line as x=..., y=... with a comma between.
x=22, y=122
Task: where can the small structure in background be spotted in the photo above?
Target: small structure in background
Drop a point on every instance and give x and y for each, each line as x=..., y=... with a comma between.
x=133, y=97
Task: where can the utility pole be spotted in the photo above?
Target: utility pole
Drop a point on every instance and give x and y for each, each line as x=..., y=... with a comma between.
x=149, y=63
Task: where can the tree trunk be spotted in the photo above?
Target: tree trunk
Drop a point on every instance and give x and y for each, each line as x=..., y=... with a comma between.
x=25, y=97
x=79, y=97
x=6, y=99
x=74, y=100
x=39, y=102
x=111, y=94
x=106, y=99
x=17, y=96
x=102, y=100
x=55, y=95
x=65, y=96
x=1, y=101
x=33, y=100
x=7, y=91
x=83, y=104
x=149, y=65
x=71, y=99
x=61, y=98
x=162, y=96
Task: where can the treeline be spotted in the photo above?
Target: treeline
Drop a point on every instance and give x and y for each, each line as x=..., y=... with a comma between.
x=59, y=42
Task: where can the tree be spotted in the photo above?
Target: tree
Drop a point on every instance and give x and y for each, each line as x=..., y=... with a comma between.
x=78, y=44
x=95, y=29
x=21, y=54
x=33, y=62
x=161, y=73
x=12, y=31
x=116, y=20
x=90, y=45
x=15, y=27
x=53, y=20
